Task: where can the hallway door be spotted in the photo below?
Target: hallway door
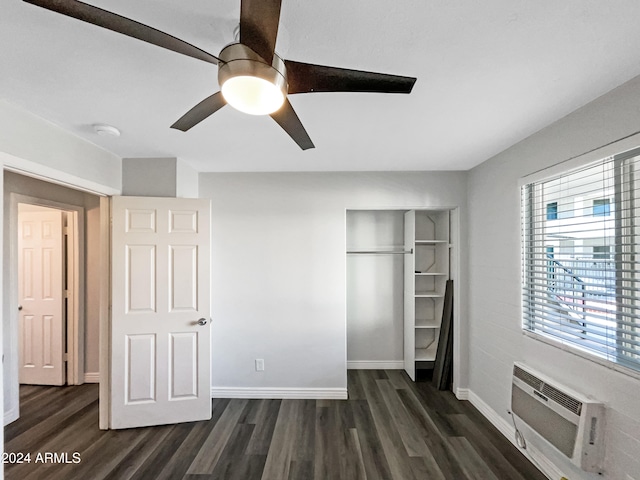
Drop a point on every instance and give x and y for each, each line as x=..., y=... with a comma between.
x=40, y=291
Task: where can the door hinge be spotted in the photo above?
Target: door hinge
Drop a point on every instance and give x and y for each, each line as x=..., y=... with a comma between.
x=66, y=294
x=65, y=357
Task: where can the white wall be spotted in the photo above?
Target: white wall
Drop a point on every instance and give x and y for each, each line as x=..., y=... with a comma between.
x=279, y=267
x=375, y=289
x=32, y=145
x=494, y=280
x=28, y=142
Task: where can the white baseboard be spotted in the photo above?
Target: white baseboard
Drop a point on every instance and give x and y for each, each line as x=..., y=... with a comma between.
x=531, y=452
x=297, y=393
x=92, y=377
x=375, y=365
x=463, y=394
x=11, y=415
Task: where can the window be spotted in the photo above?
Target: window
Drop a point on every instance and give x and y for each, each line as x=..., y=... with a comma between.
x=601, y=207
x=581, y=279
x=601, y=252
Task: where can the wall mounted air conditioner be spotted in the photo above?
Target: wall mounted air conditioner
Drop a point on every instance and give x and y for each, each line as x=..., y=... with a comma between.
x=571, y=422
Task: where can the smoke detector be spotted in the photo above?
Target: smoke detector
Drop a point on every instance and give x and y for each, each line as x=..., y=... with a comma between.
x=106, y=130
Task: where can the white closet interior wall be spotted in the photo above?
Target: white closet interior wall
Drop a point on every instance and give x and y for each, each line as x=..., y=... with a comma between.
x=375, y=289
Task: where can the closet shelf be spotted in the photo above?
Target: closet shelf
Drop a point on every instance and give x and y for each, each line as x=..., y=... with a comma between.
x=427, y=354
x=425, y=276
x=428, y=295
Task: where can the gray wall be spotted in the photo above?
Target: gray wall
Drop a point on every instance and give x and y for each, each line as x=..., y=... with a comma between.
x=279, y=267
x=158, y=177
x=375, y=288
x=494, y=280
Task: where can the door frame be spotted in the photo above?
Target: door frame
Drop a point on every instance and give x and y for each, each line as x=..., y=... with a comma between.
x=40, y=171
x=75, y=322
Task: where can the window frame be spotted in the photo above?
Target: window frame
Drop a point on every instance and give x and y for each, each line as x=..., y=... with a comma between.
x=562, y=170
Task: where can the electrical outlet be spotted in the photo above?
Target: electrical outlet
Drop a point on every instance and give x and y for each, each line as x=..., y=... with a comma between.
x=259, y=365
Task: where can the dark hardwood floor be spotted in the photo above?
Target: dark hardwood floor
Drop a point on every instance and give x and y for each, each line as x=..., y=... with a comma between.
x=390, y=428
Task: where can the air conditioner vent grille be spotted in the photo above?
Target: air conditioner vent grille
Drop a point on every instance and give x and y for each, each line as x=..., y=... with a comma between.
x=563, y=399
x=568, y=402
x=527, y=378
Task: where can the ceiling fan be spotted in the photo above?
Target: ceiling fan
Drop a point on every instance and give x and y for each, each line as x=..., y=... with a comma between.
x=253, y=78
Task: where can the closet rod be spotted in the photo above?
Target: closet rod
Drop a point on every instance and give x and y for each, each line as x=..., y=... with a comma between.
x=380, y=252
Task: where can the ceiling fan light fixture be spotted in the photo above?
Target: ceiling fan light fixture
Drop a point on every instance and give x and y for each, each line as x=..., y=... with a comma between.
x=252, y=95
x=250, y=85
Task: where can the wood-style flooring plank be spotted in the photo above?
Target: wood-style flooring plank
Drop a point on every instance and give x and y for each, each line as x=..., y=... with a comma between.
x=289, y=442
x=213, y=446
x=442, y=452
x=265, y=424
x=492, y=455
x=150, y=440
x=389, y=436
x=472, y=464
x=390, y=428
x=373, y=455
x=233, y=464
x=404, y=423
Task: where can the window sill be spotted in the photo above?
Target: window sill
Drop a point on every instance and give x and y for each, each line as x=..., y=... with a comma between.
x=587, y=356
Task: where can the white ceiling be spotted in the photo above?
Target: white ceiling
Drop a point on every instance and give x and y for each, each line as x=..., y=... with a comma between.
x=489, y=72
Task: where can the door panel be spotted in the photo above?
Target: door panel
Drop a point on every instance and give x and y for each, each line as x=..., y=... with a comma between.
x=160, y=354
x=40, y=291
x=409, y=295
x=140, y=367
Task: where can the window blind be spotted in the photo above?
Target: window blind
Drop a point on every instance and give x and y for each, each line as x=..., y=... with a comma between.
x=580, y=277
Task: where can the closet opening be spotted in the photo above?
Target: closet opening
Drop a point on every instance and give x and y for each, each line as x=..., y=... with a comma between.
x=400, y=291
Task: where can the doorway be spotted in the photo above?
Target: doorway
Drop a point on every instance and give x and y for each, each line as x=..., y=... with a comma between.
x=78, y=338
x=48, y=257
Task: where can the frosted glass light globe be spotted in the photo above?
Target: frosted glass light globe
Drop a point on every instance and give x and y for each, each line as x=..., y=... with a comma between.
x=252, y=95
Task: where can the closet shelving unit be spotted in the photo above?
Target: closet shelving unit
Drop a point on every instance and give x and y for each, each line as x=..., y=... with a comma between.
x=427, y=235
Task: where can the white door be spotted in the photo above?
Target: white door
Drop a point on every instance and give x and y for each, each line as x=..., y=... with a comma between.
x=409, y=295
x=40, y=292
x=160, y=331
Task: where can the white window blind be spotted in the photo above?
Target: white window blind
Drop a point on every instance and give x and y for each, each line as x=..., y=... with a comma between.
x=581, y=281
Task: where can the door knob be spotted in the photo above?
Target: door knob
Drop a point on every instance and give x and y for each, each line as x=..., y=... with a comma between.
x=19, y=307
x=202, y=322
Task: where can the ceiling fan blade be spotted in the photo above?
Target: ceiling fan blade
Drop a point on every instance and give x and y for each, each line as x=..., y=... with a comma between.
x=259, y=21
x=205, y=108
x=307, y=78
x=290, y=123
x=117, y=23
